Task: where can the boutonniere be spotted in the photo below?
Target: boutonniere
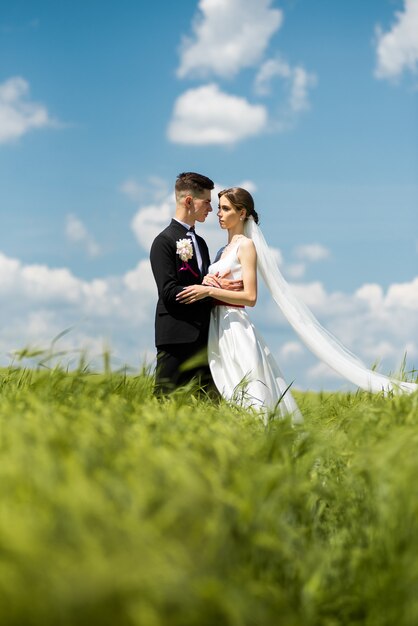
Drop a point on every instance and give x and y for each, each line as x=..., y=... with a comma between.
x=185, y=252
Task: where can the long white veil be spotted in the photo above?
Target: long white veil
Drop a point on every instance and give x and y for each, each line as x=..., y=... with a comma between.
x=322, y=343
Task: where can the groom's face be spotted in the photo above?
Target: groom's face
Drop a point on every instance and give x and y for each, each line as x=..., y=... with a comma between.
x=201, y=206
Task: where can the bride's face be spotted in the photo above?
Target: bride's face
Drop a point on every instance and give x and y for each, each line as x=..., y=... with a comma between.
x=229, y=217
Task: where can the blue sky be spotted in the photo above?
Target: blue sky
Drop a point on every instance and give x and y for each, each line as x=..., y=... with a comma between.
x=312, y=105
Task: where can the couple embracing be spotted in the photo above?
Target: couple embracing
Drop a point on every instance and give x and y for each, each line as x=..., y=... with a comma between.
x=203, y=305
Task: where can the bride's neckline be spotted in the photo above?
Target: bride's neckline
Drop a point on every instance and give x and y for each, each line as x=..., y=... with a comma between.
x=230, y=247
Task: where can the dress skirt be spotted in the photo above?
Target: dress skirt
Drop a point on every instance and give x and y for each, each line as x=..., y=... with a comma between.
x=242, y=366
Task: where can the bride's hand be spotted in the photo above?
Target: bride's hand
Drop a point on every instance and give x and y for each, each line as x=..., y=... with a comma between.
x=192, y=294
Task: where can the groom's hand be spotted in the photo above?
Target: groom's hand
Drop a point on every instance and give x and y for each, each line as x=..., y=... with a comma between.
x=212, y=280
x=220, y=281
x=232, y=285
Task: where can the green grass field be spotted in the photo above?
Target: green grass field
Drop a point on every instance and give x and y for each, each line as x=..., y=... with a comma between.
x=117, y=509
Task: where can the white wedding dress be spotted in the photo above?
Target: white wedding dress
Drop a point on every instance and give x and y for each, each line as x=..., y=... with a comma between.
x=242, y=366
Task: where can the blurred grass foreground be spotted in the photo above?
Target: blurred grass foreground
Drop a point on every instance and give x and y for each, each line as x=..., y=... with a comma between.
x=119, y=509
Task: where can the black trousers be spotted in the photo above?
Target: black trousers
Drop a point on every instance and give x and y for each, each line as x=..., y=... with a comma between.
x=179, y=363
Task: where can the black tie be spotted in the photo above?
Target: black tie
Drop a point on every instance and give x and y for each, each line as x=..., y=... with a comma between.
x=191, y=233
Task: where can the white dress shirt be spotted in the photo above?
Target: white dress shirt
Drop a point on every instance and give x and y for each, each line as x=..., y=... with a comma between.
x=191, y=234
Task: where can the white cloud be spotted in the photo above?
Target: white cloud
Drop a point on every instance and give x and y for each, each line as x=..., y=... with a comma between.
x=229, y=35
x=312, y=252
x=18, y=115
x=269, y=70
x=208, y=116
x=404, y=295
x=140, y=279
x=371, y=294
x=399, y=295
x=39, y=302
x=298, y=82
x=383, y=348
x=278, y=255
x=150, y=220
x=290, y=350
x=295, y=270
x=77, y=233
x=320, y=372
x=135, y=191
x=42, y=283
x=313, y=294
x=301, y=82
x=249, y=185
x=307, y=253
x=132, y=189
x=397, y=49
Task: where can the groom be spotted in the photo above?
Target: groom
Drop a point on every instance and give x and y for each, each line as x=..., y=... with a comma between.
x=181, y=331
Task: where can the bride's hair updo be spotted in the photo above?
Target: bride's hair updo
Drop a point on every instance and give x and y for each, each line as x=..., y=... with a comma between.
x=240, y=199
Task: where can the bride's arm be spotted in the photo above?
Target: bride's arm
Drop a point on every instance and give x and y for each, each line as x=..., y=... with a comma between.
x=246, y=297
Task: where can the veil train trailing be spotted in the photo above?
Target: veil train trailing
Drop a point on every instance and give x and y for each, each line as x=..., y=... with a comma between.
x=322, y=343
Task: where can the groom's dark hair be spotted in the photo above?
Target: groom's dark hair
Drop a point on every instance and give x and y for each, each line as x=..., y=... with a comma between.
x=193, y=183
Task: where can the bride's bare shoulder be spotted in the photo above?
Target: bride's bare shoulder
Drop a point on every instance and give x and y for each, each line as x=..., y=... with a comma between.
x=246, y=243
x=246, y=248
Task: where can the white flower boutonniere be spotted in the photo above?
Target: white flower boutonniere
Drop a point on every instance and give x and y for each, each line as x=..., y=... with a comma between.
x=184, y=249
x=185, y=252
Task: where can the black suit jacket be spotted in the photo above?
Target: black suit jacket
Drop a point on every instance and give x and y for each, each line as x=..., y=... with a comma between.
x=174, y=322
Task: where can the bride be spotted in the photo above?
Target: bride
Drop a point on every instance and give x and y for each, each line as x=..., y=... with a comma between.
x=241, y=364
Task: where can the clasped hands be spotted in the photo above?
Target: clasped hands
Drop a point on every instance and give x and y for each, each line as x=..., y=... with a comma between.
x=193, y=293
